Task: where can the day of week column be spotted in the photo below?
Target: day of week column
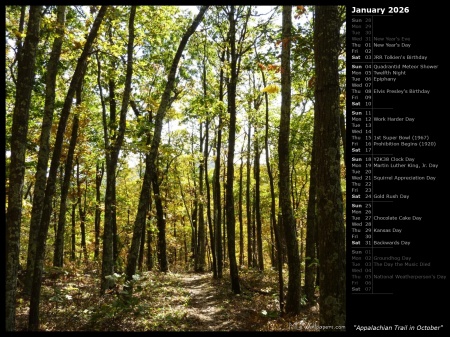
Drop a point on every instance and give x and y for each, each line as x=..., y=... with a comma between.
x=361, y=155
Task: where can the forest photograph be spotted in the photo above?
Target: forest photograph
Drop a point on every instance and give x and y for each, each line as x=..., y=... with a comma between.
x=175, y=168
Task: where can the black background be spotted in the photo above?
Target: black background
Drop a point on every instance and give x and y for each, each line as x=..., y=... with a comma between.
x=412, y=302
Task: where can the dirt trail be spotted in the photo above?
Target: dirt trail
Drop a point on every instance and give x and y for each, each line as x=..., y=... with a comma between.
x=208, y=309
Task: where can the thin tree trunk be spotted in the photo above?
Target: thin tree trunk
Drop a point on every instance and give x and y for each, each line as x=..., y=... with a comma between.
x=311, y=240
x=269, y=171
x=110, y=240
x=58, y=257
x=216, y=185
x=149, y=239
x=208, y=206
x=248, y=205
x=254, y=233
x=258, y=204
x=217, y=203
x=98, y=211
x=200, y=265
x=224, y=217
x=73, y=233
x=217, y=199
x=58, y=254
x=194, y=222
x=44, y=147
x=161, y=223
x=175, y=248
x=81, y=206
x=234, y=273
x=110, y=209
x=150, y=171
x=278, y=235
x=185, y=250
x=141, y=248
x=294, y=290
x=205, y=163
x=28, y=193
x=241, y=220
x=343, y=136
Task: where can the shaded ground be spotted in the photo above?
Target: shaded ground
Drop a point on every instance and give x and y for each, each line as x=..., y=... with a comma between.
x=206, y=308
x=183, y=301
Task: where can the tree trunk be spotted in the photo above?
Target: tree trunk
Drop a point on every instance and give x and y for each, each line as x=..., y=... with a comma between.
x=216, y=186
x=110, y=208
x=205, y=163
x=73, y=233
x=224, y=217
x=248, y=204
x=208, y=200
x=98, y=212
x=241, y=220
x=273, y=216
x=44, y=147
x=234, y=274
x=330, y=218
x=33, y=323
x=200, y=265
x=343, y=136
x=175, y=247
x=194, y=218
x=311, y=240
x=142, y=247
x=81, y=206
x=294, y=290
x=149, y=238
x=110, y=239
x=161, y=223
x=58, y=257
x=19, y=131
x=258, y=204
x=217, y=202
x=254, y=234
x=150, y=170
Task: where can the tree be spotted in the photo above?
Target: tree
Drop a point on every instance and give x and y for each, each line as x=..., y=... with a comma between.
x=112, y=157
x=294, y=290
x=216, y=180
x=257, y=175
x=150, y=175
x=250, y=252
x=200, y=250
x=311, y=223
x=240, y=215
x=205, y=161
x=99, y=171
x=44, y=146
x=331, y=231
x=161, y=224
x=273, y=219
x=234, y=70
x=59, y=241
x=33, y=323
x=25, y=79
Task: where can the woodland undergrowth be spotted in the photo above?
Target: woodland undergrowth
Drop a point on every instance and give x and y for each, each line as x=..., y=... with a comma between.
x=71, y=301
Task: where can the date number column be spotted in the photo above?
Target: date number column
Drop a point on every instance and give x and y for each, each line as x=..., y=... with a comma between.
x=360, y=124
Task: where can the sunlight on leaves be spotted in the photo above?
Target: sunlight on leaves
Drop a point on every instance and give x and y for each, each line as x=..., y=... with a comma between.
x=271, y=89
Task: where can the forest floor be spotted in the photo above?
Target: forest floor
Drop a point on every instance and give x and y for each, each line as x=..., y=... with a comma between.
x=173, y=301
